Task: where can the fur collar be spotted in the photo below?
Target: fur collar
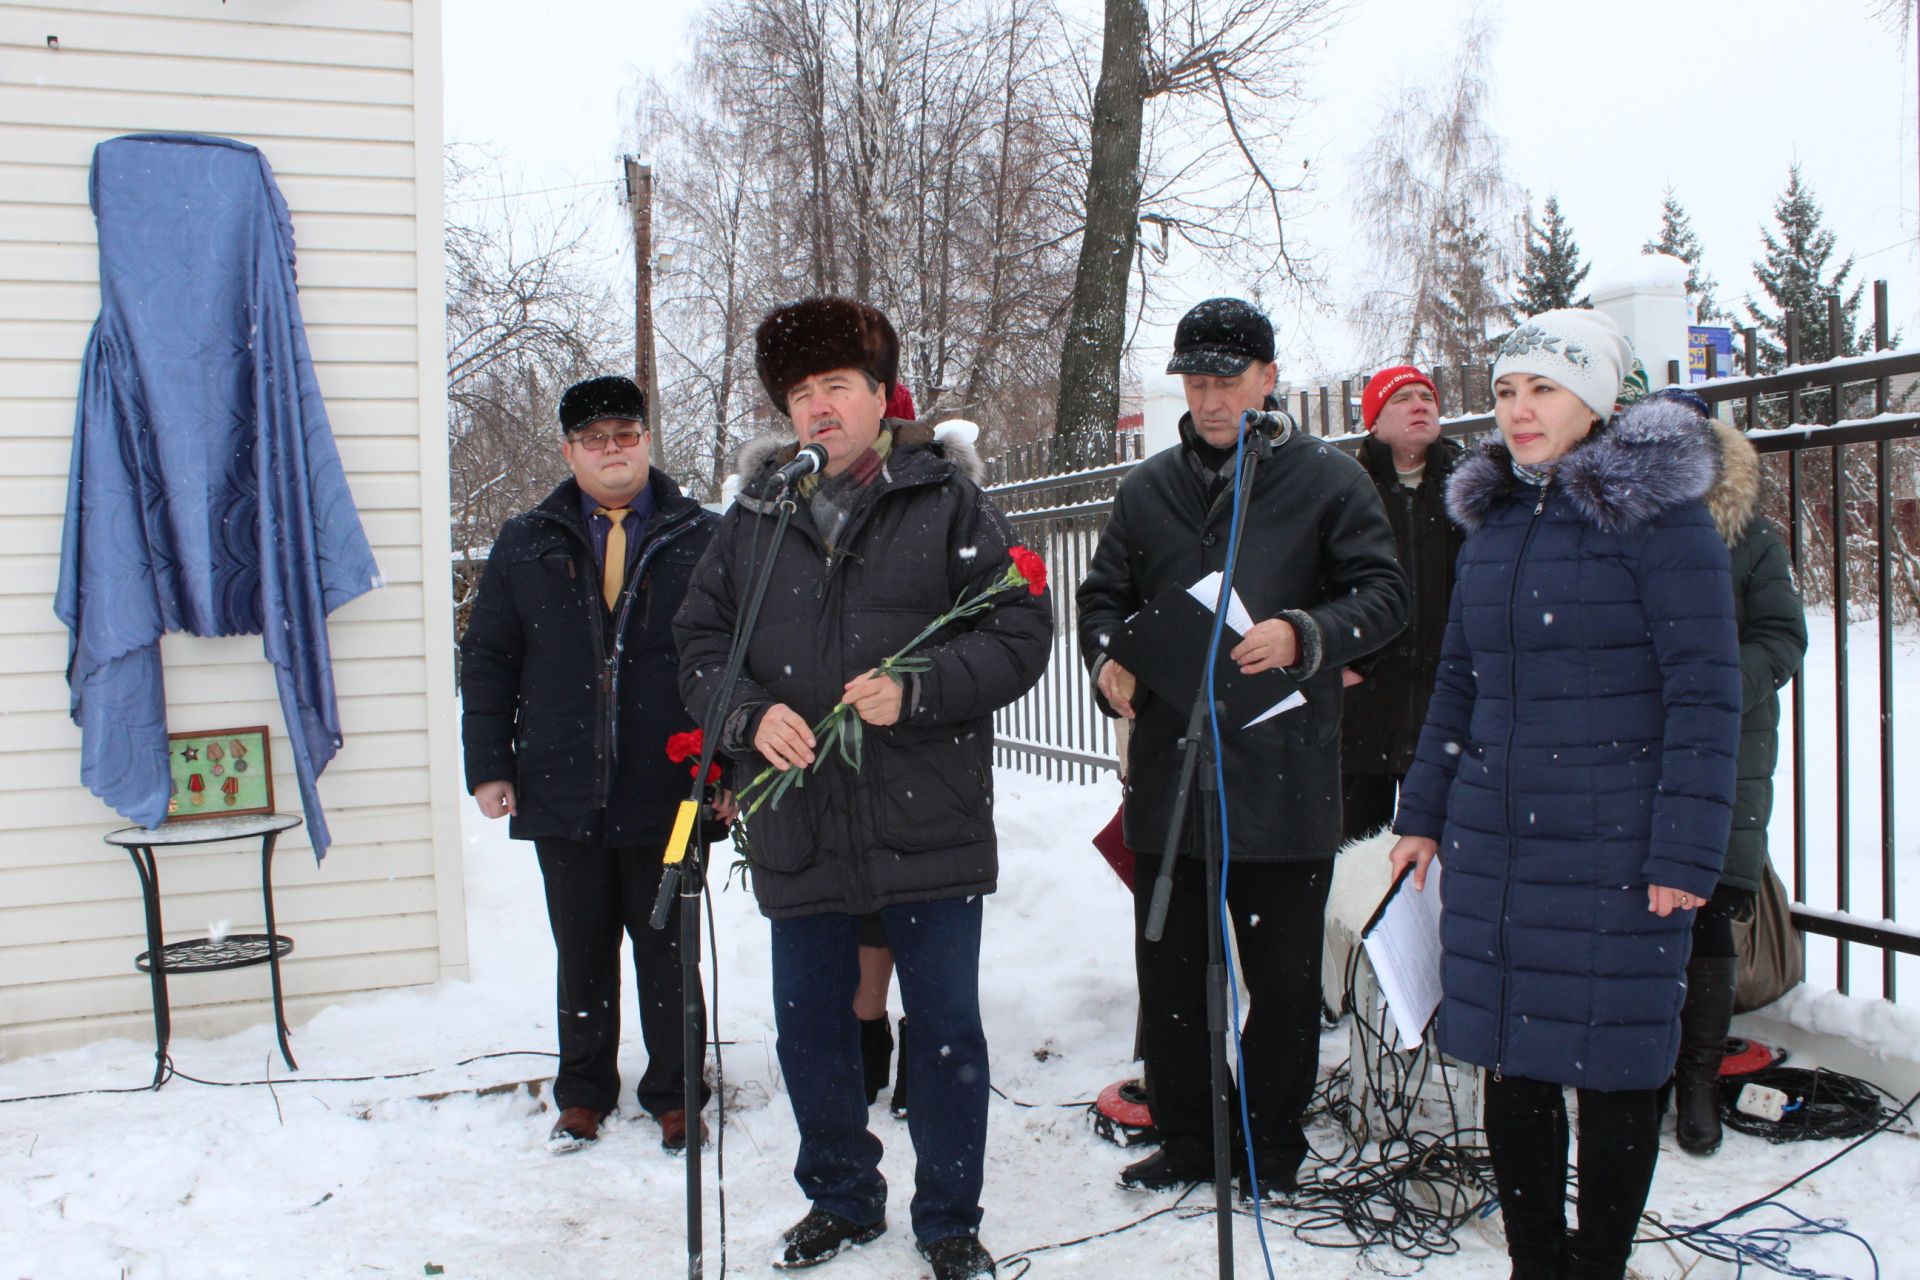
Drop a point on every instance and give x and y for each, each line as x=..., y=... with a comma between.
x=1656, y=456
x=761, y=457
x=1735, y=499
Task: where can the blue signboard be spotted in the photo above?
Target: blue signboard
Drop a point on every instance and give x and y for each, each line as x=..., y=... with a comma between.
x=1699, y=338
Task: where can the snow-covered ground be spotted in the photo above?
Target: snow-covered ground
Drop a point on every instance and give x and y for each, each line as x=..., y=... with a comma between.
x=371, y=1178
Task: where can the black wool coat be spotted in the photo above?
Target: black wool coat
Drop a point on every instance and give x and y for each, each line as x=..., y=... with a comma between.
x=1773, y=639
x=1384, y=711
x=1316, y=550
x=915, y=822
x=570, y=703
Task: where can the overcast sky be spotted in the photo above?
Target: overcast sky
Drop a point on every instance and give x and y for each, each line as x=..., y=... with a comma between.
x=1604, y=104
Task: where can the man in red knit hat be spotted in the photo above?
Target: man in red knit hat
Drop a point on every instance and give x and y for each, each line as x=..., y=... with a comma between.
x=1409, y=463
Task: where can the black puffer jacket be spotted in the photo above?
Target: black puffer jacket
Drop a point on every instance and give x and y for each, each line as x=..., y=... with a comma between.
x=916, y=822
x=1773, y=639
x=572, y=704
x=1317, y=550
x=1384, y=711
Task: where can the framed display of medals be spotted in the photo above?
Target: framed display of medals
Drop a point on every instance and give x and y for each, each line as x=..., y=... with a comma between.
x=219, y=773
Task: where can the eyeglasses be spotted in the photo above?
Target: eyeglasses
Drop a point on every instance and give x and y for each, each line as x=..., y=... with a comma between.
x=599, y=440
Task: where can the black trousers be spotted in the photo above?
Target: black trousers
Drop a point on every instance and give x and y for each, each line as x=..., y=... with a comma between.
x=1526, y=1122
x=1366, y=803
x=1278, y=912
x=595, y=893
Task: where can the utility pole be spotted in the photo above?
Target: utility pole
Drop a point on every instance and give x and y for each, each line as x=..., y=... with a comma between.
x=640, y=205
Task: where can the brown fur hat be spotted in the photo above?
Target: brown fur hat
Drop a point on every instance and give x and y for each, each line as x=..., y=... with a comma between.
x=817, y=335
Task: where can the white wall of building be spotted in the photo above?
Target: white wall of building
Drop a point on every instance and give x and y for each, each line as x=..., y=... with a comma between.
x=343, y=97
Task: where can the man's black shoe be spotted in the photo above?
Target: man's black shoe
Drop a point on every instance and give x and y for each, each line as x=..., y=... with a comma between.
x=1275, y=1188
x=820, y=1235
x=957, y=1258
x=1160, y=1172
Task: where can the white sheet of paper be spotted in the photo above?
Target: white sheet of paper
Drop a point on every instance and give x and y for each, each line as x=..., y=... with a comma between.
x=1288, y=703
x=1207, y=592
x=1404, y=948
x=1239, y=621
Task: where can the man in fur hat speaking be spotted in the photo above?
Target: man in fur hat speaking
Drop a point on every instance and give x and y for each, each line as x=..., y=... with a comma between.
x=887, y=538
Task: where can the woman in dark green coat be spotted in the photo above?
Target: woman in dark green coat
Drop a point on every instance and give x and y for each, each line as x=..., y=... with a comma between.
x=1773, y=638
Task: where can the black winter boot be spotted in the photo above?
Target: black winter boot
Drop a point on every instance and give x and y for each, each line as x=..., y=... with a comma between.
x=1526, y=1122
x=899, y=1103
x=876, y=1054
x=1703, y=1047
x=1619, y=1146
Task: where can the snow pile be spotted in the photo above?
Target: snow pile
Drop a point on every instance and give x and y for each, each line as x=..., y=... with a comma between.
x=1647, y=273
x=385, y=1176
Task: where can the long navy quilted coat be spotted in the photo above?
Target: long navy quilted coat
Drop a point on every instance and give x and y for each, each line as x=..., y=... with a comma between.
x=1580, y=747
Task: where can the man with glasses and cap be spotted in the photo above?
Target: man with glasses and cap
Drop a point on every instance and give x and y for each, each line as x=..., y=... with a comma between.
x=567, y=679
x=1316, y=570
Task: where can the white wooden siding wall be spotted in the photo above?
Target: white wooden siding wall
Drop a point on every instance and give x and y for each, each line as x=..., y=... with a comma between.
x=343, y=97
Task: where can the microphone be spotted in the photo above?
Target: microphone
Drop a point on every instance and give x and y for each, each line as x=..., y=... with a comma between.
x=1268, y=422
x=805, y=463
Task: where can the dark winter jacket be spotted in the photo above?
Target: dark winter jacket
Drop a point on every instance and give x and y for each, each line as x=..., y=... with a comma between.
x=915, y=823
x=1384, y=711
x=1317, y=551
x=1578, y=749
x=570, y=703
x=1773, y=639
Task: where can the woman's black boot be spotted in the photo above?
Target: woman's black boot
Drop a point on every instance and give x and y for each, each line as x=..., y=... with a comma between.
x=1703, y=1046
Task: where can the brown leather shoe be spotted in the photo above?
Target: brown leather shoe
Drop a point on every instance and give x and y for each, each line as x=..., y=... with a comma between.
x=673, y=1131
x=577, y=1127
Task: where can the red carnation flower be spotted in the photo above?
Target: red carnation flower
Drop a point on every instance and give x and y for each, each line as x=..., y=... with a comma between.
x=682, y=747
x=1031, y=567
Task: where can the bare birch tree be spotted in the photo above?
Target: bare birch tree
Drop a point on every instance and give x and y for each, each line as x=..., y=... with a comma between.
x=1433, y=179
x=910, y=152
x=528, y=312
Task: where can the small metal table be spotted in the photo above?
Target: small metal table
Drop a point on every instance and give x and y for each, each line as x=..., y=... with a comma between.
x=205, y=955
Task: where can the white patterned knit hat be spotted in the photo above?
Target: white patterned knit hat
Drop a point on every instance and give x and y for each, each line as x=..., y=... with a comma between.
x=1582, y=350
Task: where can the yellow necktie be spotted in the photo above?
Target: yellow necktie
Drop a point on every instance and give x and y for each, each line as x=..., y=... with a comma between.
x=614, y=575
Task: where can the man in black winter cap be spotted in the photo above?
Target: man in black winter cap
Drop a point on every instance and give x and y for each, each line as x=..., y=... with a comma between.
x=568, y=692
x=1317, y=573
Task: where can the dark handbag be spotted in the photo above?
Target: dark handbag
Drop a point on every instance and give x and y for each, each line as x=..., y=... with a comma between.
x=1773, y=955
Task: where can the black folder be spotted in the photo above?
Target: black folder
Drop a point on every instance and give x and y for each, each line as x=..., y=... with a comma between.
x=1162, y=645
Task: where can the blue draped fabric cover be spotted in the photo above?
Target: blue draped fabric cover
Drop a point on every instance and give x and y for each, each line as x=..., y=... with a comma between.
x=206, y=493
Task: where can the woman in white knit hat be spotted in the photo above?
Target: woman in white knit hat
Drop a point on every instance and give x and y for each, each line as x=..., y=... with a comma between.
x=1575, y=777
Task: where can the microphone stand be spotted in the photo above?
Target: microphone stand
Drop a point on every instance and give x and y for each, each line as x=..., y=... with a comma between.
x=686, y=879
x=1197, y=759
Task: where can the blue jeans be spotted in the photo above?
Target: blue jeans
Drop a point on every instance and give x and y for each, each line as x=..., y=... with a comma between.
x=816, y=966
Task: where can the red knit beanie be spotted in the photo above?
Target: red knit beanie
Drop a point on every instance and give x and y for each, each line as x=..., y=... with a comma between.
x=900, y=403
x=1382, y=385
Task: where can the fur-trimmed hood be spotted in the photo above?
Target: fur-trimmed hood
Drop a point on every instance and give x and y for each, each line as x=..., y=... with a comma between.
x=761, y=457
x=1655, y=456
x=1734, y=500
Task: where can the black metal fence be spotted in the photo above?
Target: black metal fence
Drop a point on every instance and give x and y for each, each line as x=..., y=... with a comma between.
x=1846, y=490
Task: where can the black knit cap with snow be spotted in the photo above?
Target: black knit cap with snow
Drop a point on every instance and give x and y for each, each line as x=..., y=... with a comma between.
x=1220, y=337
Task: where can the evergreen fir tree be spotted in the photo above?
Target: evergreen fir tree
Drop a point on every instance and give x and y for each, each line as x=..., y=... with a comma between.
x=1468, y=309
x=1794, y=275
x=1551, y=275
x=1678, y=239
